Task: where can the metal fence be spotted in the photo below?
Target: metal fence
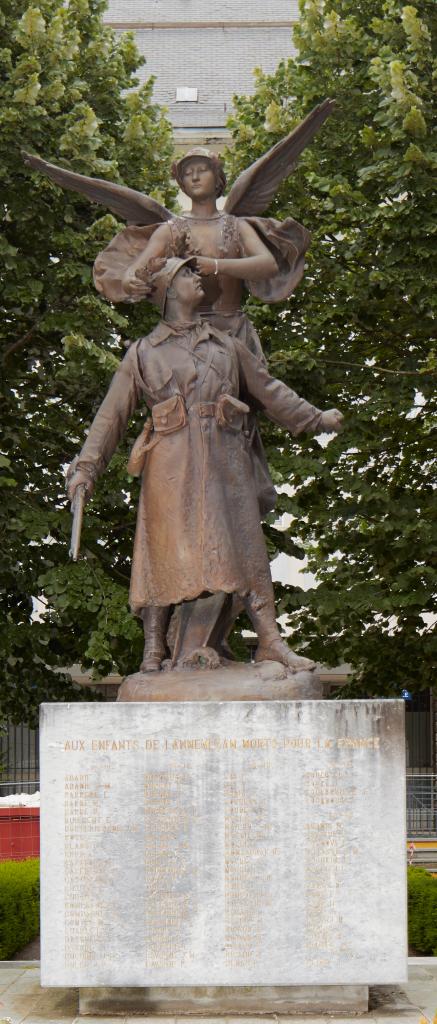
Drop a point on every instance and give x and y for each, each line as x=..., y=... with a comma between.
x=422, y=805
x=18, y=786
x=19, y=760
x=418, y=735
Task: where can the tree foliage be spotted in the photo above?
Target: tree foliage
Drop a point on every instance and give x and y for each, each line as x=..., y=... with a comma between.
x=67, y=91
x=358, y=333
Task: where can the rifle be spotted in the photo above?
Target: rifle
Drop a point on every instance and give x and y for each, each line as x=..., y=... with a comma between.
x=77, y=507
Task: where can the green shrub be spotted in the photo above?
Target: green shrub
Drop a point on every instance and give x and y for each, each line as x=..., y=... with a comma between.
x=19, y=904
x=422, y=911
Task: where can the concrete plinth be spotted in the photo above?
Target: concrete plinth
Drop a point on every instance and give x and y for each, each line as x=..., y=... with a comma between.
x=201, y=1002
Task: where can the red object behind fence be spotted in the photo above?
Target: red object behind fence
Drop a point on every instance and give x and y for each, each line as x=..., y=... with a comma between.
x=19, y=833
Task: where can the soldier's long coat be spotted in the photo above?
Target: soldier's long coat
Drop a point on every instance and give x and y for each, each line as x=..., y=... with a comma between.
x=198, y=527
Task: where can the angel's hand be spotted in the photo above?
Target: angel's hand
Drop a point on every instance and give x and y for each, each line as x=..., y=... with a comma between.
x=135, y=286
x=206, y=266
x=138, y=283
x=331, y=421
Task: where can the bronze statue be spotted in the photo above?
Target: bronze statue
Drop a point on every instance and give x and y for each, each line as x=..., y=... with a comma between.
x=233, y=248
x=198, y=527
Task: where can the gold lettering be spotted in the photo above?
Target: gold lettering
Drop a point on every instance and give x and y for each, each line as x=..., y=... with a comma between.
x=259, y=743
x=366, y=742
x=74, y=745
x=114, y=744
x=297, y=742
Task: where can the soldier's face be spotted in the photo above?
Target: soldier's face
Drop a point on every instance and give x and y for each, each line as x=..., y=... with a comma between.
x=187, y=287
x=198, y=179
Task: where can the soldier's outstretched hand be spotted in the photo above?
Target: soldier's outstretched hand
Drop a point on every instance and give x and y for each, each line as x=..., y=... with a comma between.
x=331, y=422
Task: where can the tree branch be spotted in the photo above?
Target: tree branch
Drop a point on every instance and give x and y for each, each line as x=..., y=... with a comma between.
x=20, y=343
x=382, y=369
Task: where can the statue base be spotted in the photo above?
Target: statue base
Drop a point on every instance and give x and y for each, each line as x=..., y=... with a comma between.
x=213, y=1001
x=223, y=857
x=231, y=681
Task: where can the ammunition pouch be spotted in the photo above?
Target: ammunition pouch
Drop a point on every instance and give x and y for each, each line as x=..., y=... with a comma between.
x=230, y=412
x=169, y=415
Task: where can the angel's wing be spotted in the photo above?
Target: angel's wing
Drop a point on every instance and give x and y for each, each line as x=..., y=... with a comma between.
x=255, y=187
x=126, y=203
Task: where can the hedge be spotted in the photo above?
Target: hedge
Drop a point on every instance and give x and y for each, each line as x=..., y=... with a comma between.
x=19, y=904
x=422, y=911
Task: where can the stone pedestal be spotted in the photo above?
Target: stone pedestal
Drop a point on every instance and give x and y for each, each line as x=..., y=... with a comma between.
x=223, y=856
x=212, y=1001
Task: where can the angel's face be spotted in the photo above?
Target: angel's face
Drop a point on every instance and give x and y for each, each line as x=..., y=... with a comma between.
x=198, y=178
x=187, y=287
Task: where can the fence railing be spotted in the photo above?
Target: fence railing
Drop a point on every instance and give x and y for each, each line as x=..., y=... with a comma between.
x=9, y=786
x=19, y=757
x=422, y=805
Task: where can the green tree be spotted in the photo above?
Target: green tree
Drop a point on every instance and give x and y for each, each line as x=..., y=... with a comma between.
x=358, y=332
x=67, y=91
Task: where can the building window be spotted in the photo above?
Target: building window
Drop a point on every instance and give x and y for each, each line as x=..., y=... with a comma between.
x=185, y=95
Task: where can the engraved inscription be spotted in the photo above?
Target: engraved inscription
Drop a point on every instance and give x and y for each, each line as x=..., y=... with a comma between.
x=84, y=869
x=168, y=884
x=248, y=865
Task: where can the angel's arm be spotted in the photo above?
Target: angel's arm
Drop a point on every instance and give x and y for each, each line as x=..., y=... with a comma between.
x=157, y=246
x=257, y=264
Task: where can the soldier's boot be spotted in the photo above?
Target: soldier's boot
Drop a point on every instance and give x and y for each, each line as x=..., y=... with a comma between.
x=261, y=610
x=155, y=622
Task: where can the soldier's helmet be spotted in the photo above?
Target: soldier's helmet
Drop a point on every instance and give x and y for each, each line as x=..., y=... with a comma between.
x=205, y=154
x=159, y=274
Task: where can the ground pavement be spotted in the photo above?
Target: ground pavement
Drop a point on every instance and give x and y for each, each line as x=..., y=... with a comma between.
x=23, y=1001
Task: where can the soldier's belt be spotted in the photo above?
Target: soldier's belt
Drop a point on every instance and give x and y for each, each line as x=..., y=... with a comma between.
x=227, y=411
x=172, y=415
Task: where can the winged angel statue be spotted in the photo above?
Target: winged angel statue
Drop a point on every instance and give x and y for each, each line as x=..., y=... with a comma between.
x=234, y=248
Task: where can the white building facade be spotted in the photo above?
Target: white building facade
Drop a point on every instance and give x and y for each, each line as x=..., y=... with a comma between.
x=203, y=53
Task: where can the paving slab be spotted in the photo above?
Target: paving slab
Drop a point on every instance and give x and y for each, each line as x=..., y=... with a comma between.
x=423, y=997
x=55, y=1005
x=109, y=1020
x=7, y=977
